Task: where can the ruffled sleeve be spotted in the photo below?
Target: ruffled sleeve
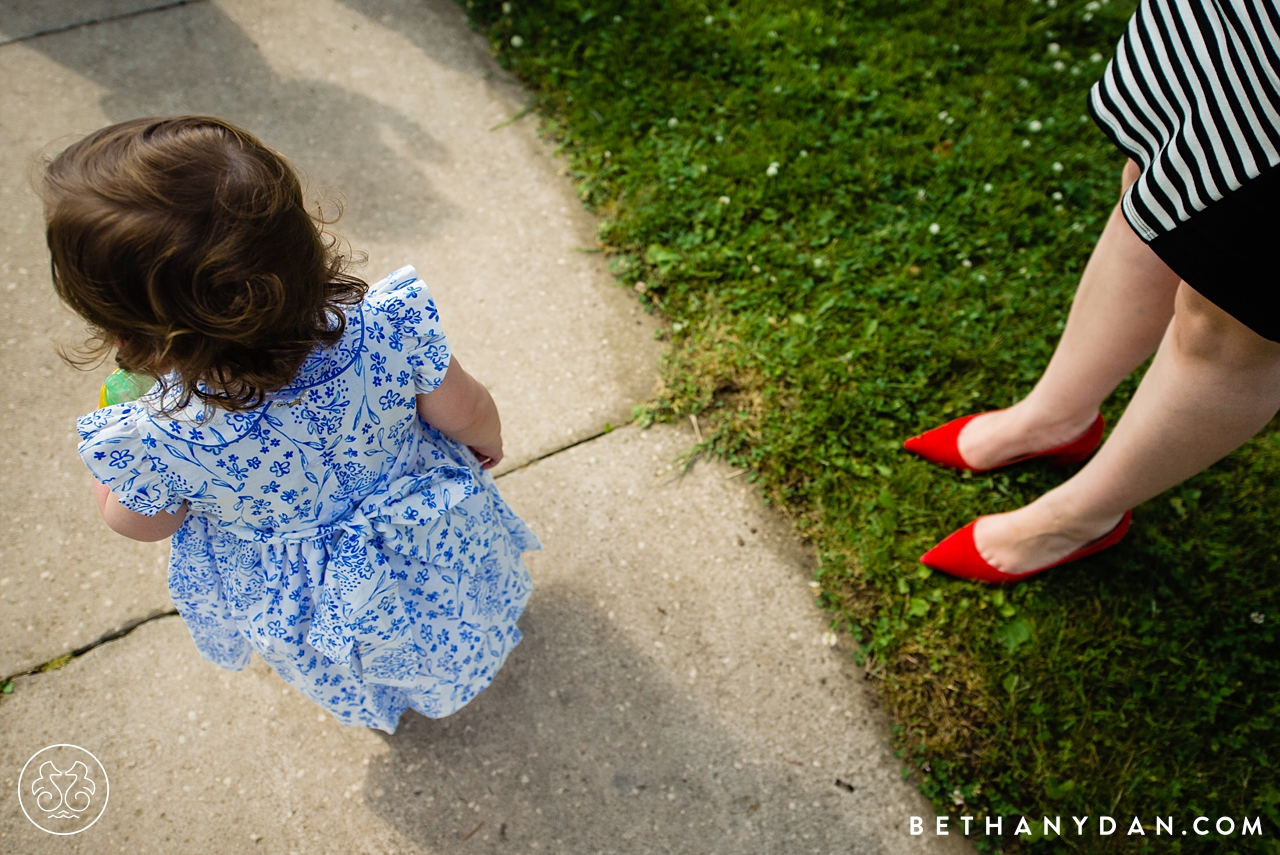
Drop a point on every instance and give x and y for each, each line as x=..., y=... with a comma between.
x=403, y=309
x=114, y=448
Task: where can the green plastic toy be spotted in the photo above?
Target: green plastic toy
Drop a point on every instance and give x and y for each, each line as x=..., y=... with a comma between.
x=122, y=386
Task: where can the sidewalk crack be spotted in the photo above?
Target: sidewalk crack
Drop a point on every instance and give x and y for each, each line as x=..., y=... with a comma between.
x=59, y=661
x=173, y=4
x=556, y=451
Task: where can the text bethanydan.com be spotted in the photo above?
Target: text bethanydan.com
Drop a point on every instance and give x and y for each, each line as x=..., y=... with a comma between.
x=1201, y=826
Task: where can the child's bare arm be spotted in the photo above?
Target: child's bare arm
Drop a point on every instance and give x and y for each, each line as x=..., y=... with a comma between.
x=462, y=409
x=133, y=525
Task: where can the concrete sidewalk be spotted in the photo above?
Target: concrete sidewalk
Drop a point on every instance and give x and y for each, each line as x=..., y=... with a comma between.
x=673, y=693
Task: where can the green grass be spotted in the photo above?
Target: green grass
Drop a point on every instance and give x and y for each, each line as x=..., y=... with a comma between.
x=816, y=318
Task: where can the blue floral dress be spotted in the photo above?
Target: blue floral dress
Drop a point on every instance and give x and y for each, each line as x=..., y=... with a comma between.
x=362, y=554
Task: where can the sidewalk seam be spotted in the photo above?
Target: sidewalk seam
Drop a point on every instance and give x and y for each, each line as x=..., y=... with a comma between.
x=121, y=632
x=173, y=4
x=556, y=451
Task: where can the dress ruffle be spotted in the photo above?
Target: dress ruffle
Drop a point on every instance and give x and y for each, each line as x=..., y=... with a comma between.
x=116, y=453
x=398, y=606
x=359, y=606
x=414, y=323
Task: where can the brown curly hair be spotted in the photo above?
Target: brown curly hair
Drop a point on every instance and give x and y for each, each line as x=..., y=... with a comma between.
x=186, y=244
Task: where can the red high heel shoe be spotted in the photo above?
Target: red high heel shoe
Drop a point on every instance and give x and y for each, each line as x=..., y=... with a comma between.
x=941, y=446
x=959, y=556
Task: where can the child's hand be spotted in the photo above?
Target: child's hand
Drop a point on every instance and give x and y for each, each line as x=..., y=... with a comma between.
x=489, y=456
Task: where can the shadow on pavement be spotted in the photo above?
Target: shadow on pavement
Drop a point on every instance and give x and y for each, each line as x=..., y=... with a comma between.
x=195, y=59
x=433, y=26
x=582, y=744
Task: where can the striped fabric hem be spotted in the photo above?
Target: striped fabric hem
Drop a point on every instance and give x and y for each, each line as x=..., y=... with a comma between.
x=1193, y=96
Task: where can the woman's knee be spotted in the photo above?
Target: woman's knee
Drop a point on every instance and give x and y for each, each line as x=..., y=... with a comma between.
x=1129, y=175
x=1203, y=331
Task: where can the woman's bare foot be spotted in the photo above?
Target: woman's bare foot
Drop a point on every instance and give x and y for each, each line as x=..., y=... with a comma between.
x=1033, y=537
x=1002, y=435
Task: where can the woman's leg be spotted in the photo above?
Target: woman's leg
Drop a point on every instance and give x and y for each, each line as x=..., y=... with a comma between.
x=1120, y=312
x=1213, y=384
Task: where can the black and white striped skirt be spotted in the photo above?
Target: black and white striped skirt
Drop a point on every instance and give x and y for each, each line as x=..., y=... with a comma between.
x=1193, y=96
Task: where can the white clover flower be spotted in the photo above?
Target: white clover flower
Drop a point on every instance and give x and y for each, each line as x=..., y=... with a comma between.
x=773, y=34
x=617, y=19
x=1087, y=16
x=719, y=137
x=957, y=798
x=709, y=20
x=982, y=277
x=1058, y=167
x=724, y=200
x=1057, y=197
x=506, y=8
x=804, y=153
x=829, y=638
x=1026, y=143
x=1095, y=57
x=942, y=117
x=934, y=228
x=966, y=263
x=1052, y=4
x=516, y=41
x=1092, y=6
x=772, y=170
x=1257, y=617
x=921, y=195
x=1034, y=126
x=818, y=262
x=988, y=187
x=672, y=122
x=1023, y=83
x=1054, y=48
x=1059, y=65
x=777, y=89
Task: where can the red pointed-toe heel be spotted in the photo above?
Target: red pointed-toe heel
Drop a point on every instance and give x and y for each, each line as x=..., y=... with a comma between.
x=942, y=446
x=958, y=555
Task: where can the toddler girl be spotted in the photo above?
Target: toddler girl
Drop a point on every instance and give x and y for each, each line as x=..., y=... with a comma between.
x=313, y=447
